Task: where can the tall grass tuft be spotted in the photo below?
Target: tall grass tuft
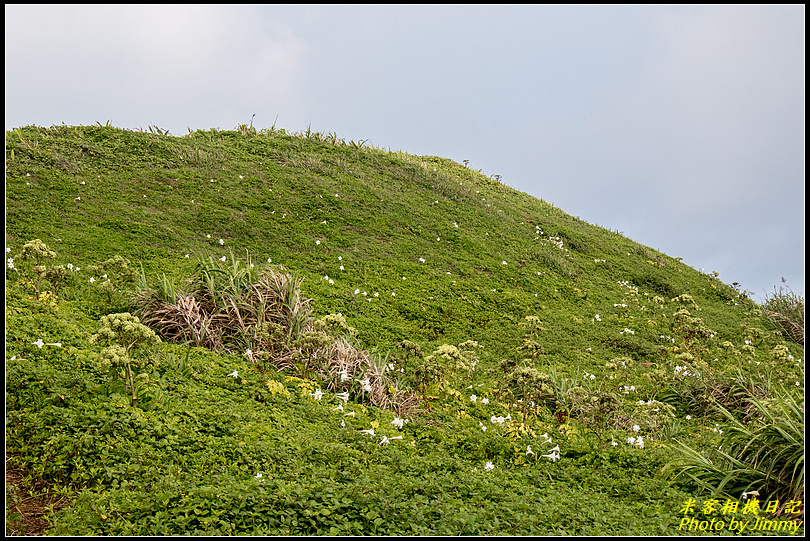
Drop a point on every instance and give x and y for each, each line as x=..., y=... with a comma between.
x=785, y=310
x=765, y=454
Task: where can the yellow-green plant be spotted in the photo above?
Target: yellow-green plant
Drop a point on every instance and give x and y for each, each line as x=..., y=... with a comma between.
x=445, y=363
x=530, y=386
x=530, y=346
x=653, y=415
x=36, y=252
x=117, y=275
x=334, y=325
x=126, y=339
x=692, y=329
x=596, y=410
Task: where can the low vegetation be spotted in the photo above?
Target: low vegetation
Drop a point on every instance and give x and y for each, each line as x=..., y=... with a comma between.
x=270, y=333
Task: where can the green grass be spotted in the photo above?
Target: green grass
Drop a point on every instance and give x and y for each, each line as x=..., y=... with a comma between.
x=431, y=252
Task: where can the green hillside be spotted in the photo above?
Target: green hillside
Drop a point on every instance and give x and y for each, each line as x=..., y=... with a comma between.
x=453, y=288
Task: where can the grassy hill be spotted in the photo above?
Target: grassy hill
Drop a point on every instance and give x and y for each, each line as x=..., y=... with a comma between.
x=571, y=332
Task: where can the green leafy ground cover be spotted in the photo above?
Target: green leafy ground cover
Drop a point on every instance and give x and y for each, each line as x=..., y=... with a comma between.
x=600, y=362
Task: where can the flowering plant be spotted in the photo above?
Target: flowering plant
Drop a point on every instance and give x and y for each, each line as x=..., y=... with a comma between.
x=123, y=334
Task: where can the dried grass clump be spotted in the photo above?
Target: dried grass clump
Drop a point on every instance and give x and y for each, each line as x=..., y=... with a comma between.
x=347, y=368
x=228, y=308
x=259, y=312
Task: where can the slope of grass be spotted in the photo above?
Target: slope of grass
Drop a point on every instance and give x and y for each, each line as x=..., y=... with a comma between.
x=415, y=248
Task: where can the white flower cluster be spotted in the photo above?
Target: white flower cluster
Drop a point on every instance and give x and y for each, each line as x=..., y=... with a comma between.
x=556, y=241
x=627, y=284
x=632, y=440
x=344, y=396
x=683, y=371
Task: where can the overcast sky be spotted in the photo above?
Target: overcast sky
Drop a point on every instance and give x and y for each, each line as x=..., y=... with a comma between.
x=680, y=126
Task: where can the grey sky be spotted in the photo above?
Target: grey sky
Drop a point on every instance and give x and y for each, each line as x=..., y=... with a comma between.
x=681, y=126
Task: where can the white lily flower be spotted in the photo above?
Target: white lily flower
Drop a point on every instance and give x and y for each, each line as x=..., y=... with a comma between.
x=370, y=431
x=234, y=374
x=386, y=439
x=317, y=394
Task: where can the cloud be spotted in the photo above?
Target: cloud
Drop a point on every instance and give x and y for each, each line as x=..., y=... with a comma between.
x=206, y=66
x=720, y=101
